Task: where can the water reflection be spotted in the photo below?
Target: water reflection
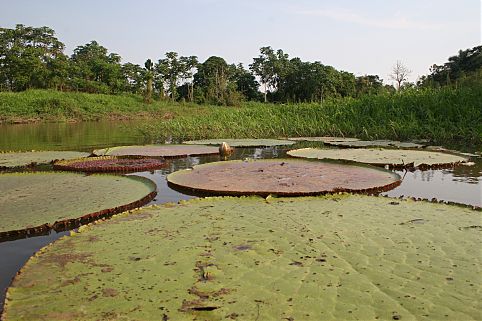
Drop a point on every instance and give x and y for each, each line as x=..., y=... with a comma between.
x=82, y=136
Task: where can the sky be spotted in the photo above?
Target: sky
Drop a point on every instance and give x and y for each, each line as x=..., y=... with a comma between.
x=362, y=37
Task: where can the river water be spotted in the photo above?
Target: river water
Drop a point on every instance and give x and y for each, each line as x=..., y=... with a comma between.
x=462, y=184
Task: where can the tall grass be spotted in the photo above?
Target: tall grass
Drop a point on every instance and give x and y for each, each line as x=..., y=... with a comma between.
x=438, y=115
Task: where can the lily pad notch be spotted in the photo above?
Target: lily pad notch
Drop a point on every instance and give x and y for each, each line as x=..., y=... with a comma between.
x=103, y=164
x=391, y=158
x=69, y=220
x=282, y=177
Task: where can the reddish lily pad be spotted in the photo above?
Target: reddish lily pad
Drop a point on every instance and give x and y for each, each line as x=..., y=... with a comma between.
x=393, y=158
x=110, y=164
x=19, y=159
x=281, y=177
x=32, y=203
x=339, y=257
x=166, y=151
x=242, y=142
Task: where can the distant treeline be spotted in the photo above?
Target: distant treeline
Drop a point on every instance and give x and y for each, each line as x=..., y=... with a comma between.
x=33, y=58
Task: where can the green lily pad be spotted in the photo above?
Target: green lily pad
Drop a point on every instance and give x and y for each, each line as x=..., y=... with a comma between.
x=242, y=142
x=19, y=159
x=35, y=202
x=110, y=164
x=394, y=158
x=342, y=257
x=284, y=177
x=374, y=143
x=165, y=151
x=324, y=139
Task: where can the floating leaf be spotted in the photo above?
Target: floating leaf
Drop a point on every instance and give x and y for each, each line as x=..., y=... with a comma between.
x=157, y=150
x=36, y=202
x=287, y=177
x=373, y=143
x=394, y=158
x=110, y=164
x=342, y=257
x=19, y=159
x=324, y=139
x=242, y=142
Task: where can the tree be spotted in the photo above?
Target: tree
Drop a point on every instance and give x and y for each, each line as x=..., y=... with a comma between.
x=264, y=67
x=149, y=77
x=134, y=77
x=169, y=71
x=400, y=73
x=246, y=83
x=31, y=58
x=188, y=66
x=92, y=69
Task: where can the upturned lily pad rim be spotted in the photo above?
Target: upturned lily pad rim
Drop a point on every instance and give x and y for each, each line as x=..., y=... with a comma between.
x=408, y=166
x=242, y=142
x=67, y=165
x=202, y=192
x=33, y=163
x=71, y=223
x=97, y=152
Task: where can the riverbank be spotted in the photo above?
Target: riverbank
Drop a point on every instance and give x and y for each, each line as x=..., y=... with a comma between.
x=34, y=106
x=438, y=115
x=441, y=116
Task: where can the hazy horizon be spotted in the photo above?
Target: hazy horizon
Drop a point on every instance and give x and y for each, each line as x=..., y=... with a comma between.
x=362, y=38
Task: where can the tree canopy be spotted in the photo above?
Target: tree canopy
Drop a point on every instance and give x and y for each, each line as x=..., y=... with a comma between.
x=32, y=57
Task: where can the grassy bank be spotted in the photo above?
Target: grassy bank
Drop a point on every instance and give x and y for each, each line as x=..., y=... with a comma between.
x=50, y=105
x=439, y=115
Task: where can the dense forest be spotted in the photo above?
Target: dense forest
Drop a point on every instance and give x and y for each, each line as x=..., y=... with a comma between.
x=34, y=58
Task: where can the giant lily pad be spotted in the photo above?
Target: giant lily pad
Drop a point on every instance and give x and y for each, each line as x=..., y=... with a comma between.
x=374, y=143
x=157, y=151
x=242, y=142
x=394, y=158
x=281, y=177
x=110, y=164
x=342, y=257
x=36, y=202
x=324, y=139
x=18, y=159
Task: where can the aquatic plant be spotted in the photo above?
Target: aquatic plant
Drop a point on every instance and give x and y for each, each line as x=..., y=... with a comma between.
x=393, y=158
x=335, y=257
x=110, y=164
x=165, y=151
x=283, y=177
x=241, y=142
x=37, y=202
x=22, y=159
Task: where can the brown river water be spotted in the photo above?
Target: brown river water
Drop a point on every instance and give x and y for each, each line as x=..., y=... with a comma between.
x=462, y=184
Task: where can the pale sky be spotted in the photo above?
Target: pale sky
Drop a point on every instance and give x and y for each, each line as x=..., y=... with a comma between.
x=363, y=37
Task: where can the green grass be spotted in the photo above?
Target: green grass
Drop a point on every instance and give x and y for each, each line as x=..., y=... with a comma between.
x=51, y=105
x=439, y=115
